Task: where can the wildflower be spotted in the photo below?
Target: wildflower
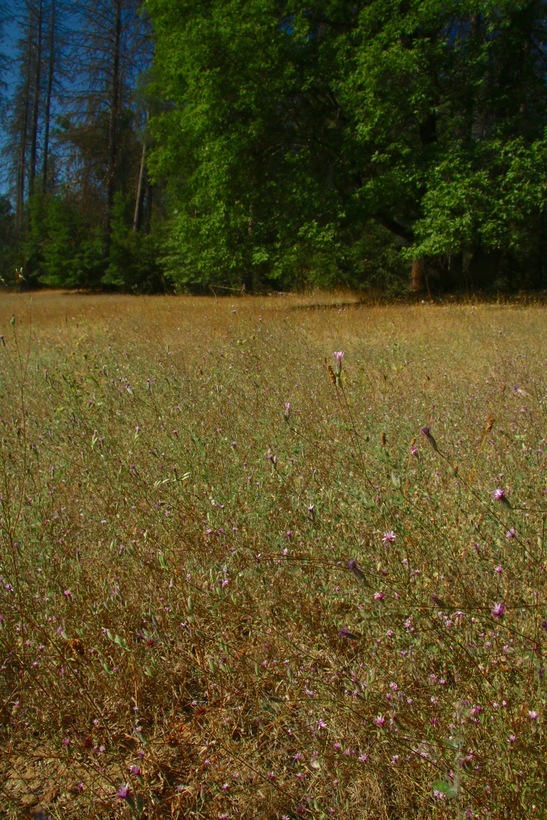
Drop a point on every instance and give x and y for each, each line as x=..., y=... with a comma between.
x=499, y=495
x=124, y=791
x=510, y=534
x=352, y=565
x=338, y=355
x=427, y=433
x=311, y=511
x=321, y=724
x=499, y=610
x=533, y=715
x=389, y=537
x=379, y=596
x=287, y=410
x=135, y=770
x=363, y=758
x=380, y=721
x=345, y=633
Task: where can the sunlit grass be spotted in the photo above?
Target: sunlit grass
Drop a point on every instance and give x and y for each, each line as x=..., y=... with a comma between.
x=233, y=585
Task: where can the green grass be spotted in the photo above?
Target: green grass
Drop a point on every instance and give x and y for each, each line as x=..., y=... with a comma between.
x=178, y=616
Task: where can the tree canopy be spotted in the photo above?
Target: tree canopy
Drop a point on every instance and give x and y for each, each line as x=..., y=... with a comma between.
x=321, y=143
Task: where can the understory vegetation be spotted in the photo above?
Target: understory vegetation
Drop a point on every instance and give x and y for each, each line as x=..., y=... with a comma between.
x=271, y=558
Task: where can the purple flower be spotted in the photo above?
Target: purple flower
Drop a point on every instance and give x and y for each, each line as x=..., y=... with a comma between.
x=124, y=791
x=339, y=355
x=427, y=433
x=533, y=715
x=389, y=537
x=379, y=596
x=510, y=534
x=345, y=633
x=135, y=770
x=287, y=410
x=380, y=721
x=352, y=565
x=500, y=495
x=498, y=610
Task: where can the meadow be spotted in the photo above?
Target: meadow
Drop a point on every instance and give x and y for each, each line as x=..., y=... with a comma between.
x=272, y=557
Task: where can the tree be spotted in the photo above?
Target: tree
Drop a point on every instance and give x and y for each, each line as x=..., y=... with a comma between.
x=98, y=130
x=30, y=107
x=250, y=143
x=299, y=140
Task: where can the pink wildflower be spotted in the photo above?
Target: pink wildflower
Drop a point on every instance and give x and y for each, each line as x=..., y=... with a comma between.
x=498, y=610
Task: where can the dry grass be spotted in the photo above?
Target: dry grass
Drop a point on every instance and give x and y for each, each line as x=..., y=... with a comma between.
x=203, y=611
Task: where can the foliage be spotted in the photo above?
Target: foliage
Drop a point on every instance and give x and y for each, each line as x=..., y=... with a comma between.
x=274, y=145
x=7, y=243
x=495, y=200
x=291, y=129
x=134, y=256
x=61, y=249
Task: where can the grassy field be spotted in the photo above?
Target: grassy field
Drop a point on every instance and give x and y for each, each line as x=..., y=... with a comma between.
x=244, y=577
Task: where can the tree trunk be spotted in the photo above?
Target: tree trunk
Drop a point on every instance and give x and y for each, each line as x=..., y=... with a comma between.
x=113, y=124
x=418, y=276
x=36, y=96
x=49, y=94
x=139, y=199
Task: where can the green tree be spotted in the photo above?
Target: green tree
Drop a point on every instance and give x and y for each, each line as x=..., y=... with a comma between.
x=134, y=255
x=319, y=142
x=8, y=247
x=442, y=95
x=250, y=144
x=60, y=247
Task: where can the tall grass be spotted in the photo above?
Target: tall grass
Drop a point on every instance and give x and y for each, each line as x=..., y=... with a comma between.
x=242, y=577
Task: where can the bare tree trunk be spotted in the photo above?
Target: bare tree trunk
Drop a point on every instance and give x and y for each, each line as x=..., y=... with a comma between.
x=49, y=94
x=23, y=144
x=139, y=199
x=36, y=95
x=113, y=123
